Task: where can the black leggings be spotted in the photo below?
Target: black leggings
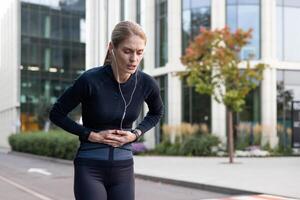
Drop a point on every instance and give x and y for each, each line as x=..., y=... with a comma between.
x=104, y=183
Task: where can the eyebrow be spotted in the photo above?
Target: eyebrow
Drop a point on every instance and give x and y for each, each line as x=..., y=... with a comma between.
x=128, y=48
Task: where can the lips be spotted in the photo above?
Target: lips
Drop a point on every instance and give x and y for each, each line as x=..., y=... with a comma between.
x=132, y=67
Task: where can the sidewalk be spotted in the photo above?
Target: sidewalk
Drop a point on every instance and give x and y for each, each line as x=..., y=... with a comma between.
x=271, y=175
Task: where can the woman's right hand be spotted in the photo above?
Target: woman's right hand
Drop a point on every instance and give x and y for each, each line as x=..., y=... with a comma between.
x=105, y=137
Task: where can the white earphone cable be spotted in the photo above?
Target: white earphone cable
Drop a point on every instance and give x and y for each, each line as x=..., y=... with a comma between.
x=124, y=100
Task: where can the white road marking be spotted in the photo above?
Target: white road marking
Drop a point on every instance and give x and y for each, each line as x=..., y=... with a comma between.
x=39, y=170
x=254, y=197
x=25, y=189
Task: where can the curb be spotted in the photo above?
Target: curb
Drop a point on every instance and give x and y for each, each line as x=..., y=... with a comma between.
x=201, y=186
x=51, y=159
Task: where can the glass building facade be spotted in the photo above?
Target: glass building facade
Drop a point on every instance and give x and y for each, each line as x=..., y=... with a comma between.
x=163, y=86
x=287, y=32
x=288, y=90
x=122, y=10
x=139, y=21
x=196, y=108
x=52, y=55
x=161, y=37
x=252, y=111
x=195, y=14
x=245, y=14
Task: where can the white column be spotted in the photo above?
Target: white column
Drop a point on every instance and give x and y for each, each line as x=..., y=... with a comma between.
x=218, y=111
x=174, y=33
x=218, y=14
x=269, y=112
x=268, y=89
x=130, y=10
x=9, y=70
x=113, y=15
x=96, y=32
x=174, y=104
x=268, y=30
x=148, y=23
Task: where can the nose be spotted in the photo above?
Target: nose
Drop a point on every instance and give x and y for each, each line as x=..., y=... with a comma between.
x=133, y=57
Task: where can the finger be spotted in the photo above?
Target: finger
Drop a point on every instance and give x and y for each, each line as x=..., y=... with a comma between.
x=112, y=137
x=111, y=142
x=114, y=145
x=113, y=131
x=122, y=133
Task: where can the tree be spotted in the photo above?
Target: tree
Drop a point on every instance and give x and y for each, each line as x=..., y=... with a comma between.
x=213, y=67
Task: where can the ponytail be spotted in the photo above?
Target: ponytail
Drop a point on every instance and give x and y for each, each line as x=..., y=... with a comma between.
x=107, y=60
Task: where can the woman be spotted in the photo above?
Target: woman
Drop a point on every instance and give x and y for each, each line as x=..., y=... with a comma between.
x=111, y=97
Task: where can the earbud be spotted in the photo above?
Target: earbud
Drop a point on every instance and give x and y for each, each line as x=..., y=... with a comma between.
x=112, y=51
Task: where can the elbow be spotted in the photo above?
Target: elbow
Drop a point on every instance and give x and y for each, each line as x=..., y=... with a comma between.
x=52, y=115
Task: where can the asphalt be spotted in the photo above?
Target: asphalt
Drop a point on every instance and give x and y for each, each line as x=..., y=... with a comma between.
x=278, y=176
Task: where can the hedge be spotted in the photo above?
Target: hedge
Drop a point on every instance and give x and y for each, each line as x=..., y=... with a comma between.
x=56, y=144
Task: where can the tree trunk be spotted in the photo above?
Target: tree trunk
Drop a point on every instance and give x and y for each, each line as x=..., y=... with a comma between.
x=230, y=136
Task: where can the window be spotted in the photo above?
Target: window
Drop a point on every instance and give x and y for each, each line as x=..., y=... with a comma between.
x=196, y=107
x=163, y=86
x=287, y=32
x=52, y=55
x=288, y=90
x=252, y=110
x=161, y=57
x=138, y=11
x=139, y=21
x=195, y=14
x=122, y=10
x=245, y=14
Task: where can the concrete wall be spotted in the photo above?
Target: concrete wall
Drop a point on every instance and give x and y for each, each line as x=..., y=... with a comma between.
x=9, y=71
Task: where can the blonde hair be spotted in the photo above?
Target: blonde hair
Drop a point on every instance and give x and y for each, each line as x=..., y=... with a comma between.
x=122, y=31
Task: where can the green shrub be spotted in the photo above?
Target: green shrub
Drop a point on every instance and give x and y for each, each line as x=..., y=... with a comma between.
x=174, y=150
x=57, y=144
x=166, y=147
x=242, y=141
x=195, y=145
x=199, y=145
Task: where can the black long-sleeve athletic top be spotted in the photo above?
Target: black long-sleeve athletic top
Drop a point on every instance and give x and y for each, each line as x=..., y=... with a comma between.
x=102, y=105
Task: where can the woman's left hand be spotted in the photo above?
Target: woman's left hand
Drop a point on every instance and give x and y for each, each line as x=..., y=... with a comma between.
x=123, y=137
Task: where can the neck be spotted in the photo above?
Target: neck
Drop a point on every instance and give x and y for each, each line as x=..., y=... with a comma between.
x=119, y=76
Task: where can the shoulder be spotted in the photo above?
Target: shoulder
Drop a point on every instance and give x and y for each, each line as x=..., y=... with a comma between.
x=149, y=85
x=147, y=80
x=91, y=73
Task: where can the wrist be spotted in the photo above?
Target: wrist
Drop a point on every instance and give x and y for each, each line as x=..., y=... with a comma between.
x=137, y=134
x=91, y=135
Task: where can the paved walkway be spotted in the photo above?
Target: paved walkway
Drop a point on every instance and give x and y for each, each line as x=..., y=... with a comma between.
x=278, y=176
x=253, y=197
x=272, y=175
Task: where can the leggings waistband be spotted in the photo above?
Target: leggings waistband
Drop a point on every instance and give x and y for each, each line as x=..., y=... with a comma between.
x=104, y=152
x=102, y=163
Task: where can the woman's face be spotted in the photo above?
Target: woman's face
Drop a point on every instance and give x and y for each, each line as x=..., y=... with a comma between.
x=128, y=54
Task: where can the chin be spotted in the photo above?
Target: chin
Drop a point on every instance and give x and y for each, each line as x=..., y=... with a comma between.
x=131, y=71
